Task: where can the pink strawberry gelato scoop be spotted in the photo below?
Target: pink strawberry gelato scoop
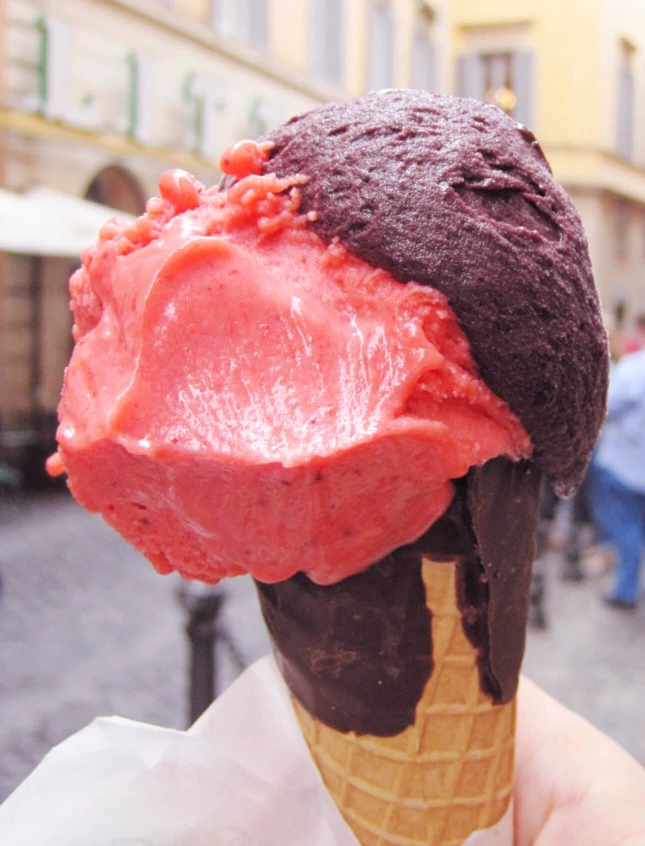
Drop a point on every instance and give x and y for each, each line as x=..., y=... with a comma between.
x=243, y=397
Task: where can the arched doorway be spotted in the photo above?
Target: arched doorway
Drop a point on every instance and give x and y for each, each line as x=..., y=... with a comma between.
x=116, y=187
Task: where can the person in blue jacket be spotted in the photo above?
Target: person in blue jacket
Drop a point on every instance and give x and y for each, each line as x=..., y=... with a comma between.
x=618, y=487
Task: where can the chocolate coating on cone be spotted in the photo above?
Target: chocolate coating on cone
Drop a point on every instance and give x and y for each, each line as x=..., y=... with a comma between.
x=455, y=194
x=358, y=654
x=502, y=500
x=326, y=640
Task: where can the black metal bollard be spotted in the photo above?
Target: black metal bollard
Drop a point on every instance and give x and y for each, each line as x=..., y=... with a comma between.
x=203, y=604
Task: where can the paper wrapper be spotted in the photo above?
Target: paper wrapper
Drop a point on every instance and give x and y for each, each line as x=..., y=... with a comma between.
x=241, y=776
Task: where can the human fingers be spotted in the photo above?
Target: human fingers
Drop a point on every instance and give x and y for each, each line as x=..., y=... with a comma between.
x=574, y=785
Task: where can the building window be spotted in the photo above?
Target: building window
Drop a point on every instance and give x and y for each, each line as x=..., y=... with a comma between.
x=380, y=72
x=625, y=101
x=55, y=49
x=205, y=99
x=423, y=49
x=246, y=20
x=498, y=81
x=141, y=96
x=504, y=78
x=326, y=39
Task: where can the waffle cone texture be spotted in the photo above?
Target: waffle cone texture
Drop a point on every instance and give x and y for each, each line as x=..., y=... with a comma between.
x=443, y=778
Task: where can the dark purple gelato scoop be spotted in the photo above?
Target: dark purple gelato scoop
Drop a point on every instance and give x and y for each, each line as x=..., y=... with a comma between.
x=455, y=194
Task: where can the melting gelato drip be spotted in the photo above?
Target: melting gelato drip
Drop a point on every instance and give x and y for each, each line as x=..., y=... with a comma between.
x=244, y=397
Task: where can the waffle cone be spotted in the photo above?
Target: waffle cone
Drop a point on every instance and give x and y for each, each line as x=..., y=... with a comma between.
x=449, y=774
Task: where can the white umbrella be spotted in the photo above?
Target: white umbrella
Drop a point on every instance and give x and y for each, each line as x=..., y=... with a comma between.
x=46, y=222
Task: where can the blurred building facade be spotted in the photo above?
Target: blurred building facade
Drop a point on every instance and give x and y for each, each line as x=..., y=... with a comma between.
x=574, y=72
x=99, y=97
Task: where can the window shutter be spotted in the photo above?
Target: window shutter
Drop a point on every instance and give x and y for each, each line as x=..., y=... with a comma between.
x=524, y=80
x=317, y=36
x=470, y=76
x=423, y=61
x=625, y=128
x=381, y=50
x=224, y=15
x=56, y=41
x=257, y=23
x=334, y=41
x=141, y=94
x=326, y=39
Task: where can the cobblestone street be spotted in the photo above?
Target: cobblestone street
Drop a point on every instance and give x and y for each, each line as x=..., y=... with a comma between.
x=88, y=628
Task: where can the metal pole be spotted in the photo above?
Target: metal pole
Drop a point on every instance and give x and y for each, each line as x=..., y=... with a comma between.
x=203, y=604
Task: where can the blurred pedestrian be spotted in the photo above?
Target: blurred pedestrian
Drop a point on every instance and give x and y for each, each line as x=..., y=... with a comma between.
x=618, y=478
x=564, y=525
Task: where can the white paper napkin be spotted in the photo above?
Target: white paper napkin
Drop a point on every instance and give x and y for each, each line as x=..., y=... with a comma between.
x=240, y=776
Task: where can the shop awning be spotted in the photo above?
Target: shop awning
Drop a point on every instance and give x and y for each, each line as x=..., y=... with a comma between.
x=45, y=222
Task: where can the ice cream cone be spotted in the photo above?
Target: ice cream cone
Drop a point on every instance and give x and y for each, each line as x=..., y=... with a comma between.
x=449, y=774
x=368, y=442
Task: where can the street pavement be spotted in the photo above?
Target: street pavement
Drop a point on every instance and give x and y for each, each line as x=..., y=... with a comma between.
x=87, y=628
